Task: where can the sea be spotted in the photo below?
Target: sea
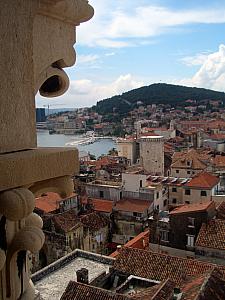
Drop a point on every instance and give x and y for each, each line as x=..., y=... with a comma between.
x=98, y=148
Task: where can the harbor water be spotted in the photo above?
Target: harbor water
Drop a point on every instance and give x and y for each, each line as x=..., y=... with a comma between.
x=97, y=148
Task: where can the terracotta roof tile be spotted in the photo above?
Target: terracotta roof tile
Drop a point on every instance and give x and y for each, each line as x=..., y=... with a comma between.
x=156, y=266
x=141, y=241
x=66, y=221
x=48, y=202
x=101, y=205
x=219, y=161
x=133, y=205
x=203, y=180
x=80, y=291
x=212, y=235
x=208, y=287
x=190, y=159
x=221, y=210
x=161, y=291
x=94, y=221
x=190, y=288
x=192, y=207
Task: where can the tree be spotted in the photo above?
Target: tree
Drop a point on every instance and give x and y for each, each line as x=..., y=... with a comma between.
x=113, y=152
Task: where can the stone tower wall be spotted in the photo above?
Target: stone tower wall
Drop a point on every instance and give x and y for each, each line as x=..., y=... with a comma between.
x=152, y=154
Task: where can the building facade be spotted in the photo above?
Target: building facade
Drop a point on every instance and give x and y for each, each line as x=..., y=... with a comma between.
x=152, y=154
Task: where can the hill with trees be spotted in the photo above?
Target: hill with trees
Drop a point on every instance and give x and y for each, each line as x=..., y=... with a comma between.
x=158, y=93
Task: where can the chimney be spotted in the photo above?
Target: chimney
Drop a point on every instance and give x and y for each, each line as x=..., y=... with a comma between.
x=118, y=248
x=82, y=276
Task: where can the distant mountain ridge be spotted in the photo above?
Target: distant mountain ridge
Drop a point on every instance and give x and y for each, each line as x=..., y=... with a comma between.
x=158, y=93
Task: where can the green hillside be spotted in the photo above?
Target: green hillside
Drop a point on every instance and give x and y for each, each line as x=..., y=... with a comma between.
x=159, y=93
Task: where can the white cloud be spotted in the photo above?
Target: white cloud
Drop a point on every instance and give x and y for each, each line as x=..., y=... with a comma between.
x=110, y=54
x=86, y=92
x=212, y=72
x=196, y=60
x=115, y=24
x=84, y=59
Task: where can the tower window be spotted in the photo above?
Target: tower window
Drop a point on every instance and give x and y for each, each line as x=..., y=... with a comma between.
x=203, y=193
x=187, y=192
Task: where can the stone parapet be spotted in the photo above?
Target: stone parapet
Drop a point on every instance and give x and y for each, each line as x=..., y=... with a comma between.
x=67, y=259
x=27, y=168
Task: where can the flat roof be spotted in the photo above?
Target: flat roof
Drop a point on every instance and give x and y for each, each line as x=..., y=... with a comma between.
x=52, y=281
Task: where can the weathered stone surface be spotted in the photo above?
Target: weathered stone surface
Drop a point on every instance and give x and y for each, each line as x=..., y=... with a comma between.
x=37, y=39
x=27, y=167
x=17, y=113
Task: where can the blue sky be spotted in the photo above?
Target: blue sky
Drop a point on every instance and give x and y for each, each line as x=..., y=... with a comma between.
x=130, y=43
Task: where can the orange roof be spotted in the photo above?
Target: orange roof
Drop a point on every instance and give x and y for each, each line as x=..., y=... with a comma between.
x=104, y=161
x=141, y=241
x=48, y=202
x=203, y=180
x=102, y=205
x=133, y=205
x=190, y=159
x=212, y=235
x=219, y=161
x=192, y=207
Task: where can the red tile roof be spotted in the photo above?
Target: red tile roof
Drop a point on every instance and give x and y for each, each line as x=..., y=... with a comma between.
x=66, y=221
x=212, y=235
x=156, y=266
x=141, y=241
x=101, y=205
x=94, y=221
x=221, y=210
x=191, y=288
x=48, y=202
x=190, y=160
x=192, y=207
x=133, y=205
x=162, y=291
x=219, y=161
x=208, y=287
x=81, y=291
x=203, y=180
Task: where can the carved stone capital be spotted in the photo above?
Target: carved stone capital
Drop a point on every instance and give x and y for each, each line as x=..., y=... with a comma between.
x=34, y=220
x=16, y=204
x=29, y=238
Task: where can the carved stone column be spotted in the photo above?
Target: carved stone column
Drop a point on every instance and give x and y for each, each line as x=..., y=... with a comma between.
x=37, y=39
